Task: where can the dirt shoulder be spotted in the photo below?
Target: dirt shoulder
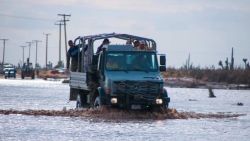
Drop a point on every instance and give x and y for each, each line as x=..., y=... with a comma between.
x=205, y=78
x=186, y=82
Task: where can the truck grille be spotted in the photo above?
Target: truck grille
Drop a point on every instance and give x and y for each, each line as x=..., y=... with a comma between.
x=137, y=87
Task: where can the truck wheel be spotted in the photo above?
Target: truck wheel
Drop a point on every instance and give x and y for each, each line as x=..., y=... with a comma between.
x=161, y=108
x=97, y=103
x=166, y=106
x=78, y=102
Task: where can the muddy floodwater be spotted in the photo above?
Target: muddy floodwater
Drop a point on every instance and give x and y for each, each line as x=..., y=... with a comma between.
x=39, y=95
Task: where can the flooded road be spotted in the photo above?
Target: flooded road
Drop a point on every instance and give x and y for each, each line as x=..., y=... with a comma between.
x=53, y=95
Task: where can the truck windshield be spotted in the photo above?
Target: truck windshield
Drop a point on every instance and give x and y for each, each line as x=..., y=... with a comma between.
x=131, y=61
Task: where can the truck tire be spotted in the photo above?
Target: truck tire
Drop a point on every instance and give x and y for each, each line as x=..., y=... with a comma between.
x=161, y=108
x=156, y=109
x=97, y=103
x=81, y=100
x=166, y=105
x=79, y=103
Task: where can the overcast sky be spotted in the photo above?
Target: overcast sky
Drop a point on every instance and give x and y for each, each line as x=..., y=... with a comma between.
x=207, y=29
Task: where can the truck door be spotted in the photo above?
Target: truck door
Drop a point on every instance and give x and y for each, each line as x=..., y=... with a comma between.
x=100, y=67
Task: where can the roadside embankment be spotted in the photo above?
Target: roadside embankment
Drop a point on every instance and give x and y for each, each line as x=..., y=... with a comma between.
x=208, y=78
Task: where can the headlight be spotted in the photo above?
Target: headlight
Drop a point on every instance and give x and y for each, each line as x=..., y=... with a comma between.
x=113, y=100
x=158, y=101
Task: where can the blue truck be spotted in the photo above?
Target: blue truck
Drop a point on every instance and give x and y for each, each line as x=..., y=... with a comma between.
x=120, y=75
x=9, y=72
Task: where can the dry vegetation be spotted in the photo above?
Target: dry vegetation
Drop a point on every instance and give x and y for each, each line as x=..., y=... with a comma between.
x=237, y=76
x=52, y=74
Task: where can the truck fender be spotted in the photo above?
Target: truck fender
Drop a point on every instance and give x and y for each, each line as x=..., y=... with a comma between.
x=165, y=95
x=101, y=94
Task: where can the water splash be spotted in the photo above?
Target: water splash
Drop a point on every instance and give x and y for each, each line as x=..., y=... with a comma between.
x=118, y=114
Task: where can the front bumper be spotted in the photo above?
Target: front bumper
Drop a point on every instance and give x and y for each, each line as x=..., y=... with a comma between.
x=10, y=75
x=143, y=93
x=138, y=101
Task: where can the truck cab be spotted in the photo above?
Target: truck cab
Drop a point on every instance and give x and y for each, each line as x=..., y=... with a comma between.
x=120, y=76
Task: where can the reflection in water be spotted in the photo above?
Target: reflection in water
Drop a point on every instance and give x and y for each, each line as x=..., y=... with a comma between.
x=48, y=121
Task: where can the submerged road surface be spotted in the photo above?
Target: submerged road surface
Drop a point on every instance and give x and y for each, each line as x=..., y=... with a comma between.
x=40, y=95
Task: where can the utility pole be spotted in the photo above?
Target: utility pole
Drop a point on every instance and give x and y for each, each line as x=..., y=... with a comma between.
x=36, y=41
x=46, y=58
x=65, y=35
x=23, y=52
x=29, y=43
x=60, y=31
x=4, y=40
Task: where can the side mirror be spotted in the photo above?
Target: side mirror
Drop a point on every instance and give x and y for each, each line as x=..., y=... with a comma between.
x=162, y=60
x=162, y=68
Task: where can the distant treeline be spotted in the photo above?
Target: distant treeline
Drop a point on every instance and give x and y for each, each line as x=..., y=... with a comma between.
x=236, y=76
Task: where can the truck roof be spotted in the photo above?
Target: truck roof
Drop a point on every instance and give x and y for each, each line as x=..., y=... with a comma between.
x=128, y=37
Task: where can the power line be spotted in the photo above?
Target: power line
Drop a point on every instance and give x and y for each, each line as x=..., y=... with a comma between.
x=59, y=23
x=23, y=52
x=64, y=23
x=26, y=18
x=36, y=41
x=46, y=58
x=29, y=43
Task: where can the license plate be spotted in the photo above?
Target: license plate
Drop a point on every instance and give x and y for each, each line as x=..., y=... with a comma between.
x=135, y=107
